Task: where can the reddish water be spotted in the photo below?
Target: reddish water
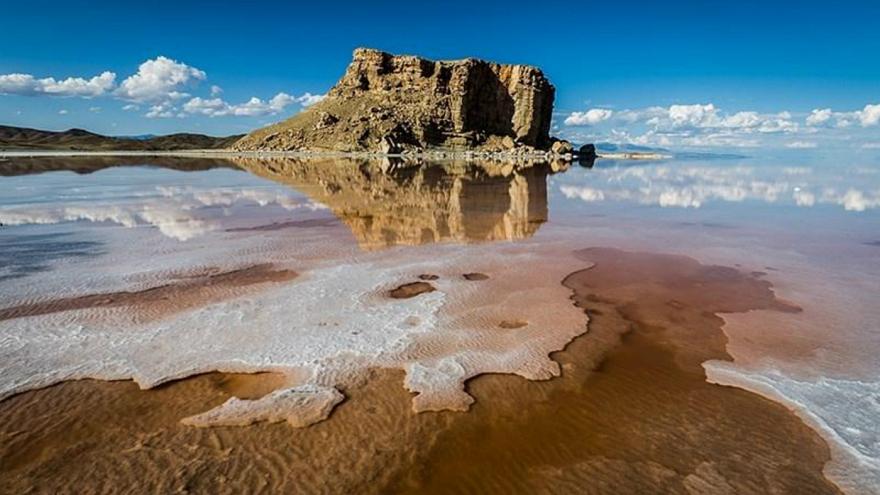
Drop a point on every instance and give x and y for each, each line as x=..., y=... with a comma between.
x=632, y=413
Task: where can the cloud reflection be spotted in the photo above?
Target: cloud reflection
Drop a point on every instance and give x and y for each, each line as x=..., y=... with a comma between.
x=695, y=186
x=180, y=213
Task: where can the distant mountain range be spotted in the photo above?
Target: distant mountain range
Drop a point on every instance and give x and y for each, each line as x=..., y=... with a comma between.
x=21, y=138
x=628, y=148
x=679, y=155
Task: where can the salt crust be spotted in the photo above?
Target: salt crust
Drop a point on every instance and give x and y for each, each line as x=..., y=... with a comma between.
x=330, y=322
x=844, y=411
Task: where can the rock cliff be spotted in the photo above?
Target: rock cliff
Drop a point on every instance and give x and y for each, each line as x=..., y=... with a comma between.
x=391, y=104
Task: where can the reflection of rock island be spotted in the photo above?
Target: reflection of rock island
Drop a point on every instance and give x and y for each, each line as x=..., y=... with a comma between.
x=387, y=204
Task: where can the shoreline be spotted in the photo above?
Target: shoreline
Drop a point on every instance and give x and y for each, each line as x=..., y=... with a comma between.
x=431, y=155
x=839, y=468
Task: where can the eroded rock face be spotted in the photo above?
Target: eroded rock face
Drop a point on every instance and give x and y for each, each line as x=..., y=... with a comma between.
x=391, y=104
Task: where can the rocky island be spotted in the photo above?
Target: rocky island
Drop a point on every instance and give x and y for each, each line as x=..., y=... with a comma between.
x=405, y=104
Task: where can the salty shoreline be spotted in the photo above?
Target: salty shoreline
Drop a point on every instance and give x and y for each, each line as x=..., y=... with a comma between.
x=439, y=350
x=605, y=413
x=428, y=155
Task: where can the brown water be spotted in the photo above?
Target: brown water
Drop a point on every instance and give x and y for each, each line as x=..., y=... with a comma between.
x=632, y=413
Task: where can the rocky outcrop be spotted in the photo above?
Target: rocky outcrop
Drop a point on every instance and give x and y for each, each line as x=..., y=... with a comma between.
x=392, y=104
x=586, y=155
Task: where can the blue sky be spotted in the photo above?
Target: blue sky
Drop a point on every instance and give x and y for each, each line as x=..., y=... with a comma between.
x=738, y=73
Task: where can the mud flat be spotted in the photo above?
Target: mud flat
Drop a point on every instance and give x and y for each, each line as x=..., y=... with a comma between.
x=631, y=413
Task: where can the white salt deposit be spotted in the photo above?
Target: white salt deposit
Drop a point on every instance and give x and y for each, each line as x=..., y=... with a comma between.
x=299, y=406
x=333, y=320
x=844, y=411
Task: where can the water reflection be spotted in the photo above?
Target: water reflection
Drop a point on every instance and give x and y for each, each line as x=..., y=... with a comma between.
x=211, y=194
x=384, y=203
x=89, y=164
x=22, y=255
x=388, y=203
x=689, y=185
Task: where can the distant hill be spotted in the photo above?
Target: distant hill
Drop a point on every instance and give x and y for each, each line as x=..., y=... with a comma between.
x=139, y=137
x=628, y=148
x=679, y=155
x=21, y=138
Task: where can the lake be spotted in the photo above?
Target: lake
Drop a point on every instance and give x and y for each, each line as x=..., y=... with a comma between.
x=694, y=325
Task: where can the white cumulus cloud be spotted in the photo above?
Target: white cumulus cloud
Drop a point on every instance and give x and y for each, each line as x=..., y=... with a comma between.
x=161, y=86
x=255, y=107
x=164, y=110
x=591, y=117
x=28, y=85
x=742, y=120
x=705, y=125
x=692, y=115
x=819, y=117
x=160, y=79
x=867, y=117
x=308, y=99
x=870, y=115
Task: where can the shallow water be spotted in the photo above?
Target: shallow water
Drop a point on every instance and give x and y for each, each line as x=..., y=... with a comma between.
x=161, y=231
